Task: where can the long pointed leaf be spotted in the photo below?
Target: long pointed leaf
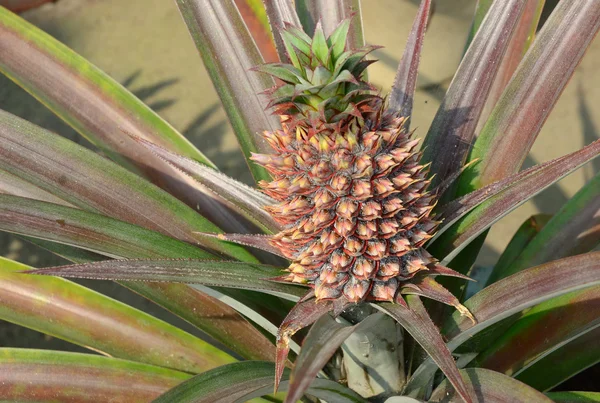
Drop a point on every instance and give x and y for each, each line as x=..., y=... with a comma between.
x=518, y=46
x=562, y=364
x=416, y=321
x=453, y=128
x=79, y=315
x=515, y=122
x=331, y=13
x=92, y=182
x=405, y=82
x=487, y=205
x=526, y=232
x=574, y=397
x=281, y=12
x=250, y=276
x=574, y=229
x=512, y=295
x=321, y=342
x=99, y=108
x=242, y=381
x=229, y=53
x=560, y=320
x=118, y=239
x=13, y=185
x=238, y=196
x=491, y=386
x=29, y=375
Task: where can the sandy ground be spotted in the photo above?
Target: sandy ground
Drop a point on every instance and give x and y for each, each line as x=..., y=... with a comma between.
x=144, y=45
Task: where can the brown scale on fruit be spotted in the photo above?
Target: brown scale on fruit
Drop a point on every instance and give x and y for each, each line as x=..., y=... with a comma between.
x=352, y=196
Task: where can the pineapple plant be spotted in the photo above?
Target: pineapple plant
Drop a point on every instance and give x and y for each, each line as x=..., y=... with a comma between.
x=358, y=222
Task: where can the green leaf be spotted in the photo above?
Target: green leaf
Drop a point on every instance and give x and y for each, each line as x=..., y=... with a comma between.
x=520, y=240
x=98, y=108
x=563, y=363
x=337, y=40
x=249, y=276
x=490, y=386
x=245, y=380
x=89, y=181
x=572, y=230
x=574, y=397
x=118, y=239
x=415, y=319
x=512, y=295
x=66, y=310
x=487, y=205
x=515, y=122
x=405, y=81
x=453, y=128
x=281, y=12
x=29, y=375
x=229, y=52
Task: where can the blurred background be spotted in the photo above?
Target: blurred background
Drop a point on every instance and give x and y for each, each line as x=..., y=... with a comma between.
x=144, y=45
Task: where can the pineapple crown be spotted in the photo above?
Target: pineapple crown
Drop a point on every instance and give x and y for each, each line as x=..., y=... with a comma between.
x=323, y=83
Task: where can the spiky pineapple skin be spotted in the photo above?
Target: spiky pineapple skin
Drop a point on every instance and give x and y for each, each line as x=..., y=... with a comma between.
x=354, y=205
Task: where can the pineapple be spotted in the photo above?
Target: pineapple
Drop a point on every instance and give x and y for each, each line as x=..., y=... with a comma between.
x=353, y=197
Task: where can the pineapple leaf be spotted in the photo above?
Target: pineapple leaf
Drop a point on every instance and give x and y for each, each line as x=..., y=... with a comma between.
x=81, y=316
x=243, y=381
x=89, y=181
x=95, y=105
x=490, y=386
x=561, y=364
x=574, y=397
x=453, y=128
x=261, y=242
x=415, y=320
x=560, y=320
x=519, y=44
x=337, y=39
x=279, y=13
x=520, y=240
x=221, y=38
x=239, y=197
x=512, y=295
x=572, y=230
x=405, y=82
x=249, y=276
x=14, y=185
x=118, y=239
x=319, y=46
x=487, y=205
x=284, y=72
x=517, y=118
x=321, y=342
x=43, y=375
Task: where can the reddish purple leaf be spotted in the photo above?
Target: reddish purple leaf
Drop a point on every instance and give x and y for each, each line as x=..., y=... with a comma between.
x=405, y=82
x=304, y=314
x=238, y=196
x=490, y=386
x=512, y=295
x=322, y=341
x=487, y=205
x=252, y=240
x=415, y=319
x=453, y=128
x=28, y=375
x=515, y=122
x=13, y=185
x=217, y=273
x=229, y=53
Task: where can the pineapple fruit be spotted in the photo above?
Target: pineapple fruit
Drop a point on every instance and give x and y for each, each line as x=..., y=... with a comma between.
x=353, y=198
